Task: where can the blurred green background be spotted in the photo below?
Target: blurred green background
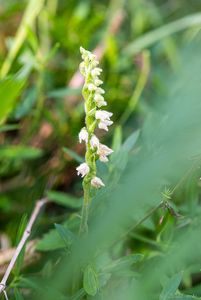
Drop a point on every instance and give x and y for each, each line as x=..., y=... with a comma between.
x=149, y=52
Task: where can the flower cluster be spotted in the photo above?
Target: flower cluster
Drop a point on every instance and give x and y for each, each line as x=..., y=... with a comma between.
x=95, y=117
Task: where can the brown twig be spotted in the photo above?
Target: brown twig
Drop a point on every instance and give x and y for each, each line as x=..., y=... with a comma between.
x=31, y=256
x=25, y=236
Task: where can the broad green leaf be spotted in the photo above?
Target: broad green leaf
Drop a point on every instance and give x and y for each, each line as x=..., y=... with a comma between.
x=171, y=286
x=65, y=234
x=10, y=89
x=119, y=159
x=64, y=199
x=123, y=263
x=184, y=297
x=90, y=281
x=74, y=155
x=51, y=241
x=56, y=238
x=19, y=152
x=131, y=141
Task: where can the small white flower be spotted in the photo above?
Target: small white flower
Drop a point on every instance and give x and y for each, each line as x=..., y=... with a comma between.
x=104, y=150
x=83, y=169
x=100, y=90
x=91, y=56
x=98, y=82
x=99, y=100
x=83, y=135
x=104, y=124
x=97, y=182
x=96, y=72
x=94, y=63
x=103, y=159
x=103, y=115
x=94, y=142
x=91, y=87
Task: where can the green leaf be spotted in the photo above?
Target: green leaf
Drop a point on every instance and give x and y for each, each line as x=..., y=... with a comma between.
x=17, y=294
x=104, y=278
x=78, y=296
x=55, y=239
x=123, y=263
x=28, y=282
x=19, y=152
x=162, y=32
x=74, y=155
x=9, y=127
x=119, y=159
x=10, y=89
x=51, y=241
x=117, y=138
x=60, y=93
x=65, y=234
x=131, y=141
x=64, y=199
x=90, y=281
x=171, y=287
x=20, y=260
x=184, y=297
x=24, y=107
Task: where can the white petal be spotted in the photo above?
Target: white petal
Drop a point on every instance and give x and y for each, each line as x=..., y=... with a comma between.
x=104, y=150
x=103, y=115
x=103, y=126
x=94, y=142
x=99, y=100
x=91, y=87
x=96, y=72
x=100, y=91
x=97, y=182
x=98, y=82
x=103, y=158
x=103, y=103
x=83, y=135
x=83, y=169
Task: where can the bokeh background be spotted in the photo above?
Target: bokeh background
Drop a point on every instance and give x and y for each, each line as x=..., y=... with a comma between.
x=149, y=52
